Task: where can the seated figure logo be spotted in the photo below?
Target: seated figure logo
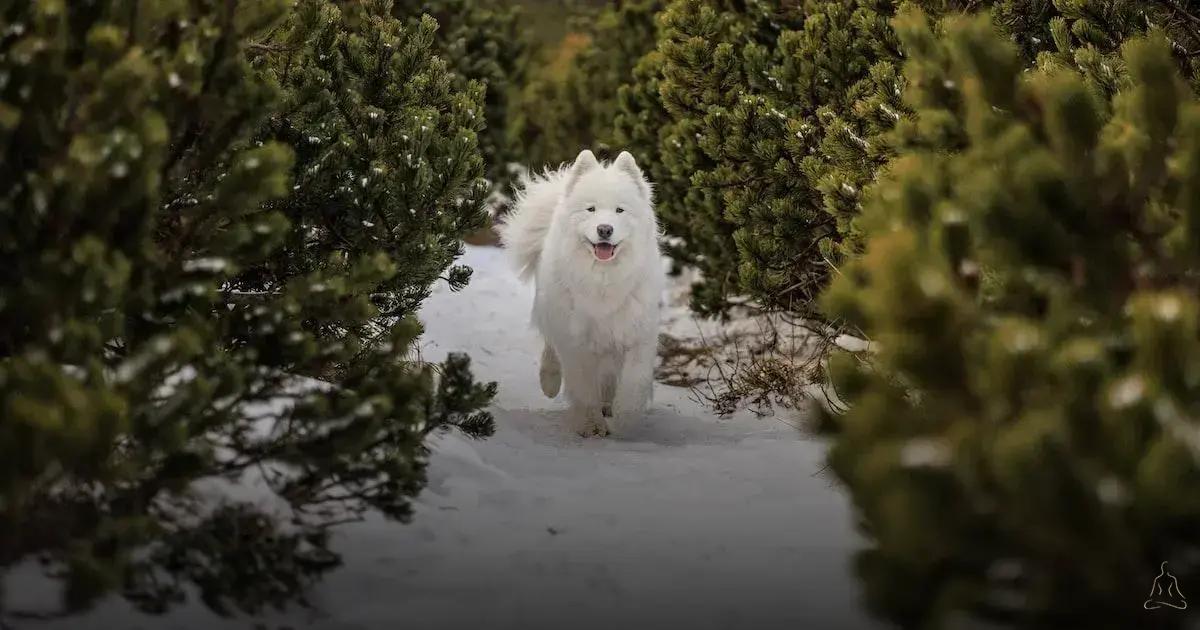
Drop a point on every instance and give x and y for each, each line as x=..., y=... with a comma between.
x=1165, y=592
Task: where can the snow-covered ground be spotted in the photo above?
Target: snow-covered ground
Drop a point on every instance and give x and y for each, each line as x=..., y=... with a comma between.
x=684, y=521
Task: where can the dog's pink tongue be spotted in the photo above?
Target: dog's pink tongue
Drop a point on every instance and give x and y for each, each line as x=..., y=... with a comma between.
x=604, y=251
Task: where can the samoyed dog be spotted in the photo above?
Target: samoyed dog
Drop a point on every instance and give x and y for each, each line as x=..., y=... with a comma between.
x=588, y=236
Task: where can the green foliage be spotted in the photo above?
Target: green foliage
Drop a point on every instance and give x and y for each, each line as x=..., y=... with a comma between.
x=388, y=173
x=570, y=102
x=180, y=253
x=747, y=108
x=692, y=66
x=763, y=123
x=483, y=43
x=1020, y=442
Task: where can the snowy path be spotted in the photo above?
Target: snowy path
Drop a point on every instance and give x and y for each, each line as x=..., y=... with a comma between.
x=685, y=521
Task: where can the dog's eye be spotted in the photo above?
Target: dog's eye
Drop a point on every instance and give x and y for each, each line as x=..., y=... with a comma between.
x=591, y=208
x=620, y=210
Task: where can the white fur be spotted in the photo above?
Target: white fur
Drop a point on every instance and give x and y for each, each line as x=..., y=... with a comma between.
x=599, y=318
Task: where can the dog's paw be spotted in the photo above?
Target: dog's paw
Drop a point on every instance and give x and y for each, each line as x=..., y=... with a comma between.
x=593, y=427
x=550, y=373
x=550, y=381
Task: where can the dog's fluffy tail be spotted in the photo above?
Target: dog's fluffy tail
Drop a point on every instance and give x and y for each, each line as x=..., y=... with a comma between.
x=523, y=232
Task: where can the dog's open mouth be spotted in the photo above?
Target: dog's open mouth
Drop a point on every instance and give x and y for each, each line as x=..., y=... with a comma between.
x=604, y=251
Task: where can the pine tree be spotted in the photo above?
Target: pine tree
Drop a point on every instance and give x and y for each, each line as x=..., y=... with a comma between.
x=388, y=170
x=767, y=120
x=693, y=68
x=483, y=44
x=1020, y=441
x=749, y=107
x=566, y=110
x=173, y=277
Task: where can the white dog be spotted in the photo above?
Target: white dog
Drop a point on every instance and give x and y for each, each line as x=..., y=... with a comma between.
x=588, y=235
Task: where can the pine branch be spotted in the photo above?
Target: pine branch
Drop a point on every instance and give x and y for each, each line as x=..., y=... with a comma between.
x=1180, y=10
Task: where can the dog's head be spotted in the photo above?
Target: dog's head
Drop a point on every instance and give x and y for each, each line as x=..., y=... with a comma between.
x=609, y=207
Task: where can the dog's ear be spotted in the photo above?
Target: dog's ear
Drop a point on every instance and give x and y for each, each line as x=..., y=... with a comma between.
x=586, y=161
x=626, y=164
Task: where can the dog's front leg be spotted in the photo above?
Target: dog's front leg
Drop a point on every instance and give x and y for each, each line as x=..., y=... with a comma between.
x=637, y=379
x=592, y=422
x=583, y=386
x=608, y=394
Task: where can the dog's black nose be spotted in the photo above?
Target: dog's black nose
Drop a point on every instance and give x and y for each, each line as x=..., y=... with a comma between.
x=605, y=231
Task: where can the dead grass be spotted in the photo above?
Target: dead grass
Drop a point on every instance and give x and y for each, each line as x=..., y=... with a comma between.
x=769, y=363
x=757, y=362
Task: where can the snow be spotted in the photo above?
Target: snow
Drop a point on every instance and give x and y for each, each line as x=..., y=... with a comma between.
x=685, y=520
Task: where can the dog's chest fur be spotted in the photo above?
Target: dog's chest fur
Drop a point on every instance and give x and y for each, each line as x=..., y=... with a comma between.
x=604, y=310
